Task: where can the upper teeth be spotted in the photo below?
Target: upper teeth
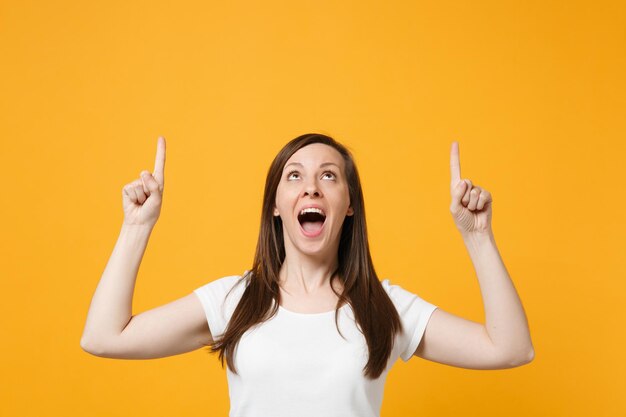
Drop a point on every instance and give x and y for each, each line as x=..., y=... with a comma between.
x=312, y=210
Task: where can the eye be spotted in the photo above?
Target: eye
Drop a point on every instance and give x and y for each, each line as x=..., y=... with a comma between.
x=291, y=174
x=331, y=173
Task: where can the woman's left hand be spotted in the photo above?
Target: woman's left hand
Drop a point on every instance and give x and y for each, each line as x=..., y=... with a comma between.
x=471, y=204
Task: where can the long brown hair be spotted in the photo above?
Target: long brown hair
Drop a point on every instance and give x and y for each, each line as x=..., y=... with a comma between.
x=374, y=311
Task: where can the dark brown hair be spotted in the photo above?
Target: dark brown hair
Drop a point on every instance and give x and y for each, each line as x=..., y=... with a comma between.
x=374, y=312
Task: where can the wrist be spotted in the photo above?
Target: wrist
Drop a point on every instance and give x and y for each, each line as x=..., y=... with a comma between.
x=478, y=238
x=136, y=230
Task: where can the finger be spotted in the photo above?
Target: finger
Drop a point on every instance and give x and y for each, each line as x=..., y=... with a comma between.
x=142, y=180
x=457, y=194
x=150, y=183
x=485, y=197
x=466, y=197
x=159, y=163
x=133, y=186
x=128, y=191
x=455, y=165
x=474, y=195
x=141, y=197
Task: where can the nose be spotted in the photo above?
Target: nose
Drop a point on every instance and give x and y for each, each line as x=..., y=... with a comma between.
x=311, y=189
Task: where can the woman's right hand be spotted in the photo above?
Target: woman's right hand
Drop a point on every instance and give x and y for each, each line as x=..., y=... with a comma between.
x=142, y=198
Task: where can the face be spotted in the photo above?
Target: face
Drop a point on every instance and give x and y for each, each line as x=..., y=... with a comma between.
x=312, y=200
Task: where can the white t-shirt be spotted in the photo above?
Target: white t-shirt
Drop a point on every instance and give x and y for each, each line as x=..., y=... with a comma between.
x=298, y=365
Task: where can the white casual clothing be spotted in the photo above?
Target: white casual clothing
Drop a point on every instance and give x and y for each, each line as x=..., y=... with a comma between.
x=298, y=365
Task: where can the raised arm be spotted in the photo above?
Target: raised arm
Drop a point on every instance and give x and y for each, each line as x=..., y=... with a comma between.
x=110, y=329
x=504, y=341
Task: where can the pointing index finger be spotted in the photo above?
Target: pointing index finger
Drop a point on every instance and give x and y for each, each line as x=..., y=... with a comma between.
x=159, y=163
x=455, y=165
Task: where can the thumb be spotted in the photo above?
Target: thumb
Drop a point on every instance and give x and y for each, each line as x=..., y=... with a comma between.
x=457, y=194
x=149, y=182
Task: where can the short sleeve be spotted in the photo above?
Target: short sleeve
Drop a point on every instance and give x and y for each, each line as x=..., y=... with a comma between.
x=218, y=304
x=414, y=314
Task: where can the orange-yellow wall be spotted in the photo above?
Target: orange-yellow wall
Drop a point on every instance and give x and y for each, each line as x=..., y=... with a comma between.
x=533, y=91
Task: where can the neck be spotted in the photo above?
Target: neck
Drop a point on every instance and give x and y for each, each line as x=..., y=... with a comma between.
x=307, y=275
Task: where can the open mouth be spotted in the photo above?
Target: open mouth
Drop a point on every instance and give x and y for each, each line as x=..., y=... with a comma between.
x=312, y=221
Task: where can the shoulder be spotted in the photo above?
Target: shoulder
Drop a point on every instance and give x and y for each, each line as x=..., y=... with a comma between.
x=221, y=287
x=414, y=313
x=219, y=298
x=395, y=291
x=403, y=299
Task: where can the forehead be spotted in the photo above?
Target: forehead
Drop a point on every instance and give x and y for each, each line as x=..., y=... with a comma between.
x=316, y=154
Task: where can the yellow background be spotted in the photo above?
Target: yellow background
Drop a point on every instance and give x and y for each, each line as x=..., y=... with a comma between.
x=533, y=91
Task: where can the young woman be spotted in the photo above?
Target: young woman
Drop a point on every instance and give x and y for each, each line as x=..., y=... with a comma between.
x=309, y=330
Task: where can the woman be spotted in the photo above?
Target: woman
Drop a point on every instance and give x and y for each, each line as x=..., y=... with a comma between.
x=309, y=330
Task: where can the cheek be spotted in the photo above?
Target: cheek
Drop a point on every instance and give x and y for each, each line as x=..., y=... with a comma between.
x=280, y=194
x=342, y=197
x=284, y=198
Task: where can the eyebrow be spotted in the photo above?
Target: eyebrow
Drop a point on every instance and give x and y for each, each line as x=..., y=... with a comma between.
x=322, y=165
